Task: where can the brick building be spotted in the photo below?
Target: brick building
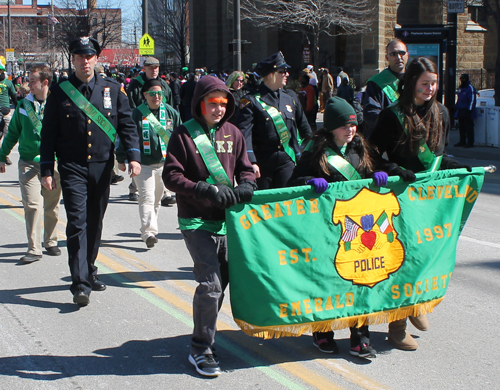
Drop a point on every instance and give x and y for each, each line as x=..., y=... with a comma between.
x=37, y=31
x=360, y=55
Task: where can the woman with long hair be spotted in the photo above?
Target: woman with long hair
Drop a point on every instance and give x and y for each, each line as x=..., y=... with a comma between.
x=413, y=131
x=338, y=153
x=236, y=82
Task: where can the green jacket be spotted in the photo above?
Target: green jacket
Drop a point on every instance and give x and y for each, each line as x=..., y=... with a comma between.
x=7, y=89
x=156, y=155
x=136, y=98
x=22, y=130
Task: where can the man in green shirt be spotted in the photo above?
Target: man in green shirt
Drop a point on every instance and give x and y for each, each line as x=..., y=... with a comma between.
x=25, y=128
x=6, y=90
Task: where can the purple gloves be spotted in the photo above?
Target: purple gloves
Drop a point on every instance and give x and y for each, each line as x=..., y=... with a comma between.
x=380, y=178
x=320, y=184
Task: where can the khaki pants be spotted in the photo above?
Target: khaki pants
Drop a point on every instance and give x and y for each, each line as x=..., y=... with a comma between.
x=36, y=199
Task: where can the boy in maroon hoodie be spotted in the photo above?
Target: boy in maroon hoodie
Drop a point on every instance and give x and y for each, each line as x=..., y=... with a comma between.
x=204, y=157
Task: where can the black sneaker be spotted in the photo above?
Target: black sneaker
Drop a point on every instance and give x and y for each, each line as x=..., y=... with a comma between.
x=133, y=196
x=53, y=251
x=151, y=241
x=325, y=343
x=205, y=364
x=363, y=350
x=116, y=179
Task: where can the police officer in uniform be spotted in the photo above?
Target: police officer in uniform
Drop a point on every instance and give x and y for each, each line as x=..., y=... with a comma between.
x=82, y=137
x=270, y=120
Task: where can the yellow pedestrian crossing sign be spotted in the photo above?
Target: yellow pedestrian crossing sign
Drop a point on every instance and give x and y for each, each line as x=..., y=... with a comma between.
x=146, y=46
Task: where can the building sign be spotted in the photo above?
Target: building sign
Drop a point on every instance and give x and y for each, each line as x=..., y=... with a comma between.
x=146, y=45
x=456, y=6
x=306, y=55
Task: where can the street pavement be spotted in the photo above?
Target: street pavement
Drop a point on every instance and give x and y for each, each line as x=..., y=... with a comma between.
x=136, y=333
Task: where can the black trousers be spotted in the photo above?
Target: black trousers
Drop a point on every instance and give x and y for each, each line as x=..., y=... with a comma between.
x=275, y=169
x=86, y=193
x=466, y=130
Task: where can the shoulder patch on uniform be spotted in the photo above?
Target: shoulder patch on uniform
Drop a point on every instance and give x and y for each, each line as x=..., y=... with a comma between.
x=122, y=89
x=244, y=102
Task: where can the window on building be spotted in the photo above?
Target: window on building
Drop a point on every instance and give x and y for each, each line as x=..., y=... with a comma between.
x=477, y=14
x=94, y=22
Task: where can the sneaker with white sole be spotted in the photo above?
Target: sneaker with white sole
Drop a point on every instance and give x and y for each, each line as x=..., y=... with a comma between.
x=205, y=364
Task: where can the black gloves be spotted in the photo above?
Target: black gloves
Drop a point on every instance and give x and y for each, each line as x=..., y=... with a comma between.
x=458, y=166
x=225, y=197
x=220, y=195
x=204, y=190
x=244, y=192
x=407, y=175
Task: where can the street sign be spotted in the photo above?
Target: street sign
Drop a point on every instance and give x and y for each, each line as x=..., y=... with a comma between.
x=9, y=55
x=456, y=6
x=146, y=45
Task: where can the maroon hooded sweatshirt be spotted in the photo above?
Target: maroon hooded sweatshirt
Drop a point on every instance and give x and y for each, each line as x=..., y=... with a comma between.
x=184, y=166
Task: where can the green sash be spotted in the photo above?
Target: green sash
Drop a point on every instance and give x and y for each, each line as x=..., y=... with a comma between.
x=388, y=83
x=341, y=165
x=215, y=169
x=35, y=121
x=280, y=126
x=160, y=127
x=429, y=160
x=33, y=117
x=89, y=109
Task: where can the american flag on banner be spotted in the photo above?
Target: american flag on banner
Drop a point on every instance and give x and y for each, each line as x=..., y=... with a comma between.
x=351, y=230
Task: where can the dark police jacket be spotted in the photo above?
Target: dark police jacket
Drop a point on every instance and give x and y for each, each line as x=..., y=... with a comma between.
x=73, y=137
x=258, y=128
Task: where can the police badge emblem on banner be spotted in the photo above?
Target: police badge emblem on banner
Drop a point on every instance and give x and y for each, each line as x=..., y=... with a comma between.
x=355, y=255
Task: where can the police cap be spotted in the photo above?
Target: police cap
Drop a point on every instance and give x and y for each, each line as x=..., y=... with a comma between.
x=271, y=64
x=84, y=45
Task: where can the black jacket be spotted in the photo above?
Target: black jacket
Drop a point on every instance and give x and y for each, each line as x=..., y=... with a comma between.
x=258, y=128
x=306, y=170
x=73, y=137
x=388, y=134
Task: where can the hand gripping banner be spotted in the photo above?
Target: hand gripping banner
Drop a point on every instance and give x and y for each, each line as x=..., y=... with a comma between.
x=354, y=255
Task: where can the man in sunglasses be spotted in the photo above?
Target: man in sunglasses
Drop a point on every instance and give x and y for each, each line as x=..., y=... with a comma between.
x=271, y=121
x=82, y=118
x=381, y=89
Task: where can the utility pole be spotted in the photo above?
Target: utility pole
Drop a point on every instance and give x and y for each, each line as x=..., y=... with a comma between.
x=236, y=35
x=9, y=68
x=145, y=20
x=451, y=61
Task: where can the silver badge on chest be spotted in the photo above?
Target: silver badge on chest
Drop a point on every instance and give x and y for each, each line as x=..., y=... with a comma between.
x=107, y=98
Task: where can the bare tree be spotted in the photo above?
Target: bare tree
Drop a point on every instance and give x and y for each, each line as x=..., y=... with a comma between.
x=310, y=17
x=170, y=26
x=492, y=8
x=75, y=19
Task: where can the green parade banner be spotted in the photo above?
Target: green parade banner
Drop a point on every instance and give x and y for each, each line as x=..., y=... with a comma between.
x=355, y=255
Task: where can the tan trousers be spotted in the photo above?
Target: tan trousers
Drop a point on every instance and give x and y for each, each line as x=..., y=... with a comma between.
x=36, y=199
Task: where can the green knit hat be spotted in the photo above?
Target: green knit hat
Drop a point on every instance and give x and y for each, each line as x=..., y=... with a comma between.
x=338, y=113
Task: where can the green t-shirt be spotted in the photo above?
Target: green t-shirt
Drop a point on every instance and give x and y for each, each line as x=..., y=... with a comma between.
x=6, y=89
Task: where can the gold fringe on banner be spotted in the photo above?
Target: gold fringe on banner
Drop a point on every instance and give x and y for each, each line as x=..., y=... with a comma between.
x=296, y=330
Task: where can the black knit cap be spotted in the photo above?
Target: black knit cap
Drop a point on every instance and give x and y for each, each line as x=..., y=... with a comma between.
x=84, y=45
x=151, y=83
x=271, y=64
x=338, y=113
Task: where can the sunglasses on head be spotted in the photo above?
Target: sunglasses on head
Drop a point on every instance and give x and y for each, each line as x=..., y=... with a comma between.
x=401, y=53
x=155, y=93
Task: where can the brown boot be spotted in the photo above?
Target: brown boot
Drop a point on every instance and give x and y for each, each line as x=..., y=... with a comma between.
x=421, y=322
x=400, y=338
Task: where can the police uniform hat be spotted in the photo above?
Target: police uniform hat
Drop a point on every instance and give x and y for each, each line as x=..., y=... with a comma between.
x=151, y=61
x=271, y=64
x=84, y=45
